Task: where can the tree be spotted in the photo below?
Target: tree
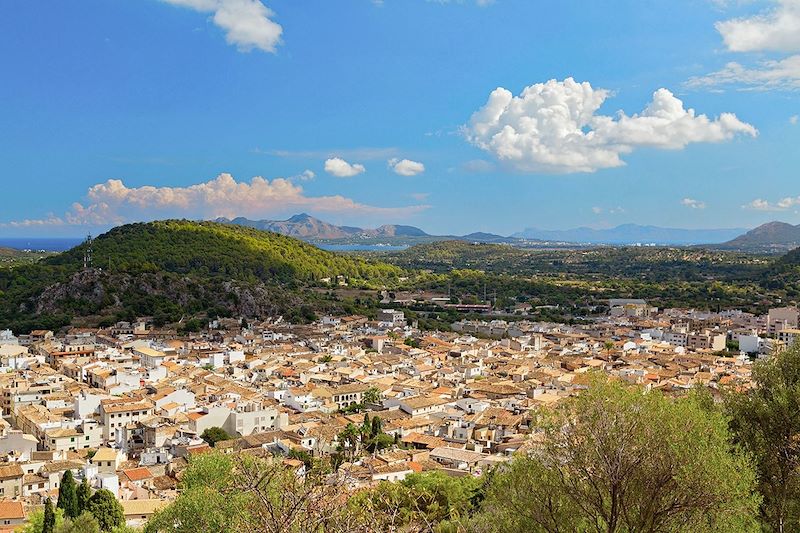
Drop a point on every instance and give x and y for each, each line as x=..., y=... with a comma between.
x=228, y=494
x=35, y=520
x=83, y=523
x=376, y=427
x=608, y=346
x=213, y=435
x=431, y=501
x=67, y=495
x=371, y=395
x=49, y=520
x=619, y=459
x=105, y=508
x=766, y=422
x=84, y=492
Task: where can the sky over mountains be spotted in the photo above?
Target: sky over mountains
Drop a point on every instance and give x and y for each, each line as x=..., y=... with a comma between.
x=455, y=116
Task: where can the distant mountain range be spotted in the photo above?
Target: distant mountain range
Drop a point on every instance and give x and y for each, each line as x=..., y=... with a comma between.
x=769, y=237
x=304, y=226
x=633, y=234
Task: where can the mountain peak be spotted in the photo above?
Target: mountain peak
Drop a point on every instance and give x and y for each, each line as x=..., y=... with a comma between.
x=301, y=217
x=772, y=236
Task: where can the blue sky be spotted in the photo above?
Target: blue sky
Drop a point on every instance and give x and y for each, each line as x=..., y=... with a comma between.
x=136, y=110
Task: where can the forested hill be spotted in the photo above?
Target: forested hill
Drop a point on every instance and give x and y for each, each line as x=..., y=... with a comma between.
x=212, y=248
x=174, y=270
x=784, y=274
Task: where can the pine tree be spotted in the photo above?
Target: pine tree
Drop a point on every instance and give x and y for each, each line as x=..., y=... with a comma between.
x=84, y=492
x=377, y=426
x=49, y=517
x=67, y=495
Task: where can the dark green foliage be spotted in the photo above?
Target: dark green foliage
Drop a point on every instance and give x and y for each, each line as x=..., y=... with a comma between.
x=213, y=249
x=784, y=274
x=376, y=427
x=579, y=281
x=173, y=269
x=49, y=517
x=84, y=523
x=302, y=455
x=68, y=496
x=371, y=395
x=431, y=501
x=213, y=435
x=106, y=510
x=766, y=422
x=84, y=492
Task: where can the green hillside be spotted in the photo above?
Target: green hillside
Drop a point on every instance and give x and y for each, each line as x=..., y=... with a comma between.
x=212, y=248
x=784, y=274
x=177, y=270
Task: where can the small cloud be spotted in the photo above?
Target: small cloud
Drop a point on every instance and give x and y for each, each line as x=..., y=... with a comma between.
x=477, y=166
x=247, y=24
x=406, y=167
x=611, y=211
x=420, y=196
x=692, y=203
x=794, y=119
x=784, y=204
x=306, y=175
x=342, y=169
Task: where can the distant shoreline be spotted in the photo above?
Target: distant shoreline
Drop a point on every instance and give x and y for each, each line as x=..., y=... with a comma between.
x=48, y=244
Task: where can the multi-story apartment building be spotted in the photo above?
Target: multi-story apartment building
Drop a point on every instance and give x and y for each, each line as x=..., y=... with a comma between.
x=118, y=412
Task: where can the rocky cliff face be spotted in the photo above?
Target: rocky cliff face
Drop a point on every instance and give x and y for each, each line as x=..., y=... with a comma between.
x=104, y=293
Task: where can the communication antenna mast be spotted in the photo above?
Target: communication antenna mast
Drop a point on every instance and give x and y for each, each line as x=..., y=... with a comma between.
x=87, y=255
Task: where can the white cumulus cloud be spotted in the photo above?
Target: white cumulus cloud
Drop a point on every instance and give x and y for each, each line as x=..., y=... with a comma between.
x=774, y=30
x=113, y=202
x=553, y=127
x=406, y=167
x=247, y=24
x=694, y=204
x=759, y=204
x=336, y=166
x=777, y=30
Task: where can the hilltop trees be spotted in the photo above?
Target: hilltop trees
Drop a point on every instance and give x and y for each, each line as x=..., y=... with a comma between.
x=766, y=422
x=618, y=459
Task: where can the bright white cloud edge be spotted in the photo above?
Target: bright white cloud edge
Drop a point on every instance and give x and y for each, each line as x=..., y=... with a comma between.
x=247, y=24
x=553, y=128
x=112, y=202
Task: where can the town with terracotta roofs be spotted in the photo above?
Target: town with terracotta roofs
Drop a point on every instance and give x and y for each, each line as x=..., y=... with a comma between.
x=125, y=408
